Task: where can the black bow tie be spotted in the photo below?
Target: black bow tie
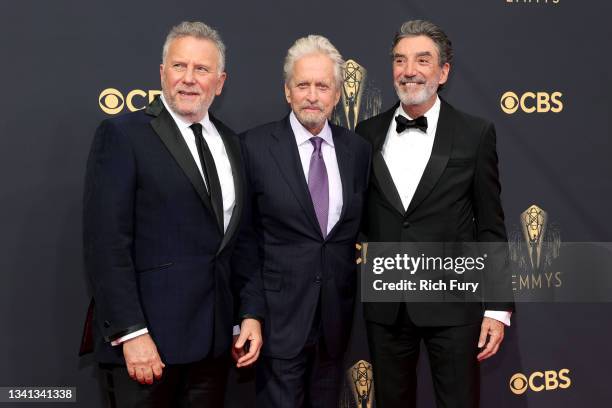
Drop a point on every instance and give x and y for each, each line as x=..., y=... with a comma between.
x=404, y=123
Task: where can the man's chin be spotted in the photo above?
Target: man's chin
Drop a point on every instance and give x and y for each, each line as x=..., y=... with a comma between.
x=190, y=113
x=412, y=99
x=310, y=121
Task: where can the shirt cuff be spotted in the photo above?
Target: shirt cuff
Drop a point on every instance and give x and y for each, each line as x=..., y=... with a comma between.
x=251, y=316
x=501, y=315
x=130, y=336
x=236, y=330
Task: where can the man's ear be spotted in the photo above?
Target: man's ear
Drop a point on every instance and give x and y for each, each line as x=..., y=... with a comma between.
x=287, y=94
x=444, y=73
x=220, y=83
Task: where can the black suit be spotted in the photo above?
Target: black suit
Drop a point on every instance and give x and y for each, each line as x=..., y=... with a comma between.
x=154, y=248
x=457, y=200
x=309, y=281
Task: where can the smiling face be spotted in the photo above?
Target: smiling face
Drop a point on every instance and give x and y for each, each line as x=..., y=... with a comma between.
x=417, y=72
x=190, y=77
x=312, y=91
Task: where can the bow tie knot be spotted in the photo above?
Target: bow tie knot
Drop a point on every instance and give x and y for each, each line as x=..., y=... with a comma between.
x=404, y=123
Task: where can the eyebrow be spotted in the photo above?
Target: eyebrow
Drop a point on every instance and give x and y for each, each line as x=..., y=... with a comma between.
x=418, y=54
x=424, y=54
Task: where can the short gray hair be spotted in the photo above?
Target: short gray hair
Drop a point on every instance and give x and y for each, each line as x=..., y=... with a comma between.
x=313, y=44
x=415, y=28
x=199, y=30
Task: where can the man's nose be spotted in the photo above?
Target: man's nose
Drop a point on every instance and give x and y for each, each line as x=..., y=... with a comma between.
x=188, y=77
x=409, y=69
x=312, y=95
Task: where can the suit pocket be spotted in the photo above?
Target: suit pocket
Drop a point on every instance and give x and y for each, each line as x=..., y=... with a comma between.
x=155, y=268
x=272, y=281
x=460, y=162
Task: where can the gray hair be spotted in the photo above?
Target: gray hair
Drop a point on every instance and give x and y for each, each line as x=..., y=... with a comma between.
x=416, y=28
x=313, y=44
x=198, y=30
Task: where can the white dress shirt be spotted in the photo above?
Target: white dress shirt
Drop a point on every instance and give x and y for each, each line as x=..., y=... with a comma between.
x=305, y=148
x=406, y=155
x=224, y=170
x=219, y=154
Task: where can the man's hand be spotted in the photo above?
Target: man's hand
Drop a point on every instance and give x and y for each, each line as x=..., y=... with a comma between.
x=142, y=360
x=494, y=329
x=245, y=353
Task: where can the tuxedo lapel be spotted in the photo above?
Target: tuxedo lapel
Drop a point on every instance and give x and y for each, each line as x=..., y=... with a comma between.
x=439, y=156
x=382, y=176
x=385, y=183
x=287, y=158
x=346, y=166
x=232, y=147
x=168, y=132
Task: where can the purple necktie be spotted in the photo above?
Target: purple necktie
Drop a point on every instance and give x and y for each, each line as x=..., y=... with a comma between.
x=318, y=184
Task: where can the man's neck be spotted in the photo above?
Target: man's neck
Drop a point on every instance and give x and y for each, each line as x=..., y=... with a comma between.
x=315, y=130
x=415, y=111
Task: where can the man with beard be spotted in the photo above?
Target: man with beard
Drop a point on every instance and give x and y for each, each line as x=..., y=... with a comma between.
x=163, y=202
x=434, y=179
x=307, y=180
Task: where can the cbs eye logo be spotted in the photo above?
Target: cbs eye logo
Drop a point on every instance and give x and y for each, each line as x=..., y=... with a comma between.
x=530, y=102
x=112, y=101
x=539, y=381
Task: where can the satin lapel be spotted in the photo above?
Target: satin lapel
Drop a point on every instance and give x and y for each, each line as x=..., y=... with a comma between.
x=439, y=156
x=166, y=129
x=384, y=182
x=287, y=158
x=232, y=147
x=346, y=166
x=382, y=176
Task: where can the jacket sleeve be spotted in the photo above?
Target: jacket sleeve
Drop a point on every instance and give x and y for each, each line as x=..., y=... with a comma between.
x=108, y=230
x=246, y=261
x=490, y=227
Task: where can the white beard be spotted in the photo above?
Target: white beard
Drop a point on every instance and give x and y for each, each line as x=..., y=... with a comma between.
x=416, y=97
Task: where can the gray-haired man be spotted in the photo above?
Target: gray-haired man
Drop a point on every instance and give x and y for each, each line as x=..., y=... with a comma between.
x=434, y=179
x=307, y=179
x=162, y=207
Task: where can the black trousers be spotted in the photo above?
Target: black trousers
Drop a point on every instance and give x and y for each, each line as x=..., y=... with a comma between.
x=452, y=355
x=200, y=384
x=312, y=379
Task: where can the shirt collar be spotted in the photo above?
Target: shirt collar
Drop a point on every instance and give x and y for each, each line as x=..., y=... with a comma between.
x=302, y=135
x=182, y=124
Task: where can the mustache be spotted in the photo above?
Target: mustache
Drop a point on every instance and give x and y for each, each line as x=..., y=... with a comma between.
x=311, y=106
x=192, y=90
x=415, y=80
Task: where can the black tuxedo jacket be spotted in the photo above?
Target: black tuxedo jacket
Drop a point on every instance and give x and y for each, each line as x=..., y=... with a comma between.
x=300, y=268
x=154, y=248
x=457, y=200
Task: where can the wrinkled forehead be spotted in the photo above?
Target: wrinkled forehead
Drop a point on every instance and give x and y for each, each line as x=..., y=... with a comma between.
x=416, y=46
x=313, y=67
x=189, y=47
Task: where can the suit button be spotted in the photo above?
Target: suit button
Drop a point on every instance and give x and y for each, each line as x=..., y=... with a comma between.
x=406, y=224
x=107, y=324
x=318, y=279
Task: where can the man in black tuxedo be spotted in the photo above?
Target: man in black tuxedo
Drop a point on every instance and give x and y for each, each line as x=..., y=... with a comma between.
x=435, y=179
x=163, y=203
x=307, y=179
